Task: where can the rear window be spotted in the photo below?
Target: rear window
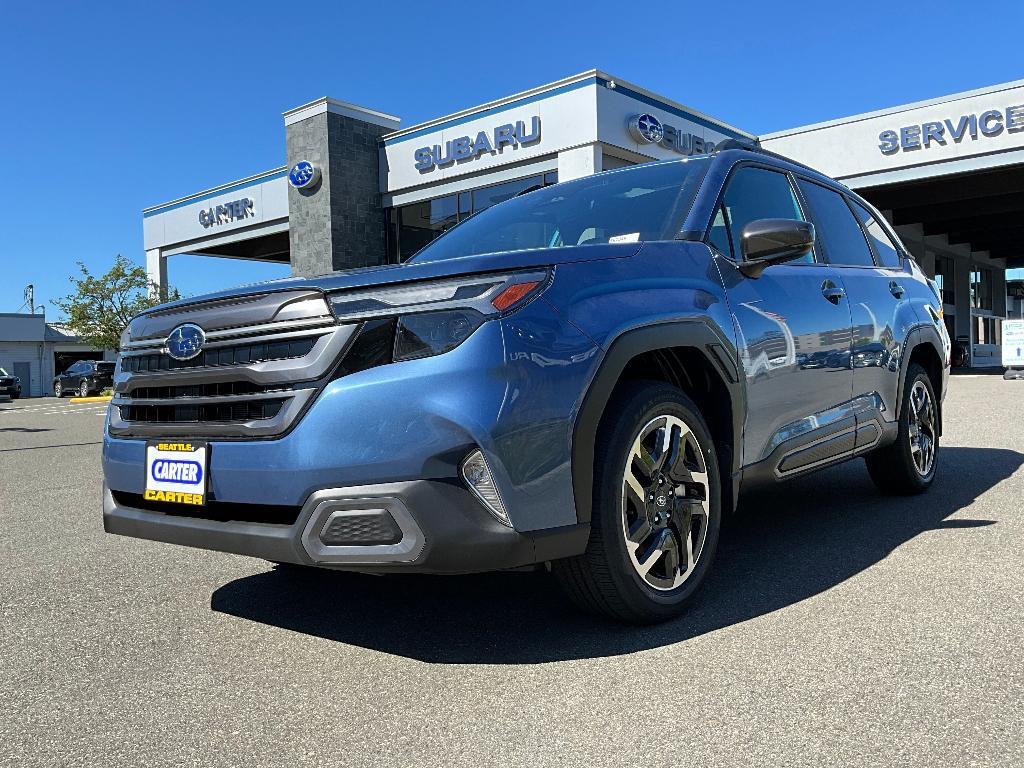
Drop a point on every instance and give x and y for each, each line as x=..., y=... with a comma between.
x=105, y=367
x=888, y=253
x=836, y=228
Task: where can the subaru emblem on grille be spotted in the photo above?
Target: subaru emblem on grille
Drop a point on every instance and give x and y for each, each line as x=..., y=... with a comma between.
x=186, y=341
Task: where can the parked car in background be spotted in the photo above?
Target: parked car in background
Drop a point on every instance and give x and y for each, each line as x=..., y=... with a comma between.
x=84, y=378
x=9, y=385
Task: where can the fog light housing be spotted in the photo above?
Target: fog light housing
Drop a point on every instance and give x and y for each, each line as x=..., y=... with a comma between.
x=478, y=477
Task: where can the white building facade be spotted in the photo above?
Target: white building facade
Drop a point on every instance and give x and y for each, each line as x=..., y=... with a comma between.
x=357, y=189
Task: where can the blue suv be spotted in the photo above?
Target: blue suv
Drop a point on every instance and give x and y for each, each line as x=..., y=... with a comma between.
x=581, y=378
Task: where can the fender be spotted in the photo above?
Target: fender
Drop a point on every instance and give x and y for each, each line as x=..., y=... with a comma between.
x=922, y=333
x=696, y=333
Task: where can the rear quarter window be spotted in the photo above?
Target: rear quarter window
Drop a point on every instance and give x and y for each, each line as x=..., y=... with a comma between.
x=888, y=254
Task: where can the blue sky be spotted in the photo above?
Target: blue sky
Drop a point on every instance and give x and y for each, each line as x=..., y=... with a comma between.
x=110, y=109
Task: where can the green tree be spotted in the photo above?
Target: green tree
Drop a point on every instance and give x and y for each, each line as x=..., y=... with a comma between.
x=99, y=309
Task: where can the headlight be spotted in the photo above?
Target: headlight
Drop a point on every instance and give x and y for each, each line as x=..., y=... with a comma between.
x=487, y=294
x=433, y=317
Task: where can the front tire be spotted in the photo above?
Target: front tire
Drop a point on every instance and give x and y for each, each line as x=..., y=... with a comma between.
x=656, y=509
x=907, y=466
x=58, y=389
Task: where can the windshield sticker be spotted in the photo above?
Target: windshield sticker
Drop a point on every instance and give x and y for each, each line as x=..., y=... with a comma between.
x=632, y=237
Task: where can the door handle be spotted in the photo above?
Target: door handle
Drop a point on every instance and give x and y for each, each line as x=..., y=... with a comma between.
x=832, y=292
x=896, y=289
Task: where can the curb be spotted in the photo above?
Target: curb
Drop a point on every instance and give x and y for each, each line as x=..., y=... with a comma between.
x=90, y=399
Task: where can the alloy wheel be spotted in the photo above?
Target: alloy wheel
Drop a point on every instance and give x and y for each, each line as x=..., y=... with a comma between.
x=922, y=428
x=665, y=506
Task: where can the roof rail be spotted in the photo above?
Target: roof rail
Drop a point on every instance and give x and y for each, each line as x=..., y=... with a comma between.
x=755, y=146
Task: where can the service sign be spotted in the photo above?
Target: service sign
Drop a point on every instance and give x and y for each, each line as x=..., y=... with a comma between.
x=176, y=472
x=1013, y=343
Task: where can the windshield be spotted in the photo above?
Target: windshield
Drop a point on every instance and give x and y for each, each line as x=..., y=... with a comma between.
x=3, y=372
x=647, y=202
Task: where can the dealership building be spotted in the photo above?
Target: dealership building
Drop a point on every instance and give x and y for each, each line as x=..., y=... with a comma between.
x=356, y=189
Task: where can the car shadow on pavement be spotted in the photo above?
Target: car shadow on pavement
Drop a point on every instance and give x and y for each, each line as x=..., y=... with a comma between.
x=786, y=544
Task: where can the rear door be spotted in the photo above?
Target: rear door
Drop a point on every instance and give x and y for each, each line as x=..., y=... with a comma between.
x=882, y=313
x=793, y=325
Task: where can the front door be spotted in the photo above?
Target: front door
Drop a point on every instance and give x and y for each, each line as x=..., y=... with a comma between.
x=793, y=323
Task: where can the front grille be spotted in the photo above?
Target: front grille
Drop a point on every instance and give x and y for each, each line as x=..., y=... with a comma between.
x=253, y=379
x=213, y=389
x=221, y=413
x=241, y=354
x=220, y=511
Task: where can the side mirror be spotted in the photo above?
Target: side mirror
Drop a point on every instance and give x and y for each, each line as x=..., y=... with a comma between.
x=773, y=241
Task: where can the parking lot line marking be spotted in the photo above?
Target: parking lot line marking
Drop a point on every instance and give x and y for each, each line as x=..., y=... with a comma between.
x=53, y=411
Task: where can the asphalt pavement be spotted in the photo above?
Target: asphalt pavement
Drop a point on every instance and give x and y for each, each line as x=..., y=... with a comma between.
x=839, y=628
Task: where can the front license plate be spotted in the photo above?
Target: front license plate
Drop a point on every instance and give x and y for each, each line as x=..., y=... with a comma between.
x=176, y=472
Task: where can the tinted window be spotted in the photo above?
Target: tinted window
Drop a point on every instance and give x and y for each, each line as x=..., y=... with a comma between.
x=835, y=226
x=719, y=235
x=74, y=368
x=756, y=193
x=105, y=367
x=888, y=254
x=645, y=202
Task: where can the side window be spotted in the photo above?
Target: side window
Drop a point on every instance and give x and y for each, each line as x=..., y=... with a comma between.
x=757, y=193
x=719, y=236
x=836, y=229
x=888, y=253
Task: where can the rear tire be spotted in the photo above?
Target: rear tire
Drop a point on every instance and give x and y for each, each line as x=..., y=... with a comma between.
x=83, y=390
x=656, y=509
x=908, y=465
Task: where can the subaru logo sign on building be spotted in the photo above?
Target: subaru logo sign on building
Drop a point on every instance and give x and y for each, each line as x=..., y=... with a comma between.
x=304, y=175
x=486, y=142
x=186, y=341
x=647, y=129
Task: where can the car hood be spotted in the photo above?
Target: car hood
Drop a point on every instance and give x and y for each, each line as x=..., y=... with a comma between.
x=402, y=273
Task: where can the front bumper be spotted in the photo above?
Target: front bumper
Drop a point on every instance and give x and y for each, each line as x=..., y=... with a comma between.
x=10, y=391
x=510, y=390
x=443, y=529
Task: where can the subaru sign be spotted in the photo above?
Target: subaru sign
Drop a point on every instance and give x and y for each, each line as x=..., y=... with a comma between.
x=647, y=129
x=469, y=148
x=185, y=342
x=304, y=175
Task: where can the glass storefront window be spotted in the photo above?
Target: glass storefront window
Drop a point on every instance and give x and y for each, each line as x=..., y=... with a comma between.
x=411, y=227
x=499, y=193
x=944, y=279
x=981, y=288
x=987, y=330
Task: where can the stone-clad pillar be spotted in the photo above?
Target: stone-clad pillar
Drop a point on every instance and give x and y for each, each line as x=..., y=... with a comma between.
x=337, y=223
